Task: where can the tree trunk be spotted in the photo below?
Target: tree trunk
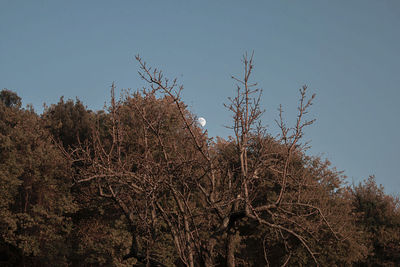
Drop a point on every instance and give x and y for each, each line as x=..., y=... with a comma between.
x=231, y=243
x=189, y=242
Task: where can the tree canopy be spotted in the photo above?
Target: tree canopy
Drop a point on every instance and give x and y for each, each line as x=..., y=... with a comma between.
x=141, y=183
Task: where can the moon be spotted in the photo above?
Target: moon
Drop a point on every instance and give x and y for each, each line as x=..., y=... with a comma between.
x=201, y=121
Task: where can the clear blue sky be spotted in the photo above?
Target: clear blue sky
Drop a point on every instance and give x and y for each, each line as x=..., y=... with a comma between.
x=347, y=52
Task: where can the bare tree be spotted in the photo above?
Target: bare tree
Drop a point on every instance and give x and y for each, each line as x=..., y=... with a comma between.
x=163, y=170
x=294, y=205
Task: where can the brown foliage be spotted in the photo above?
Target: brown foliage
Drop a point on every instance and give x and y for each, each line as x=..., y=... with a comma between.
x=167, y=176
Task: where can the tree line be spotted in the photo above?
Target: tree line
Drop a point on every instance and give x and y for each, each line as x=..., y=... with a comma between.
x=140, y=183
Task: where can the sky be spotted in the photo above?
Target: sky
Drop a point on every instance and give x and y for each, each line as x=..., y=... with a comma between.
x=346, y=52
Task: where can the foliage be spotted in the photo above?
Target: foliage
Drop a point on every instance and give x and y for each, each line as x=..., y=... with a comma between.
x=34, y=189
x=141, y=183
x=69, y=122
x=379, y=218
x=10, y=99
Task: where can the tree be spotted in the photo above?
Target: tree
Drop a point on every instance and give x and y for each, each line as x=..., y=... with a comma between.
x=379, y=218
x=174, y=185
x=10, y=99
x=118, y=160
x=70, y=122
x=34, y=190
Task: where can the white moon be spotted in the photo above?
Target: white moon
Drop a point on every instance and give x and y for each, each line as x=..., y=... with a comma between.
x=201, y=121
